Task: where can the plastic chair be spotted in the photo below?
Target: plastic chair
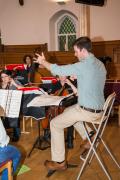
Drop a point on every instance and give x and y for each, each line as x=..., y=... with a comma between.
x=7, y=165
x=99, y=126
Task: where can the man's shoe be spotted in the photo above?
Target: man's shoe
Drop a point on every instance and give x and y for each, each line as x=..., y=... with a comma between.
x=55, y=166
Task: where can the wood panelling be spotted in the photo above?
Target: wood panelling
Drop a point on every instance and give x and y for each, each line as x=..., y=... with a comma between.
x=11, y=58
x=113, y=70
x=25, y=48
x=1, y=48
x=14, y=54
x=100, y=49
x=60, y=57
x=105, y=48
x=116, y=53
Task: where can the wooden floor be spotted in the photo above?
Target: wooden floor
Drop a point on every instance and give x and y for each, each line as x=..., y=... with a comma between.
x=93, y=172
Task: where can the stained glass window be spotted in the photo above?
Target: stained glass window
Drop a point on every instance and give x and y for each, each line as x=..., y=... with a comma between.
x=66, y=33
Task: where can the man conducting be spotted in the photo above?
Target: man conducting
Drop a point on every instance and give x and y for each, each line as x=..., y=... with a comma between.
x=91, y=76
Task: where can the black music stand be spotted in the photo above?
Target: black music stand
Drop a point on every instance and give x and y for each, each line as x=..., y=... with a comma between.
x=38, y=113
x=39, y=141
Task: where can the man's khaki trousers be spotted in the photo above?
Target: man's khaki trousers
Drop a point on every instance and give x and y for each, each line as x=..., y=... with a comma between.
x=73, y=115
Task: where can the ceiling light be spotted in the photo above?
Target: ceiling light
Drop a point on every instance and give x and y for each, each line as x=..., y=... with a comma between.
x=61, y=2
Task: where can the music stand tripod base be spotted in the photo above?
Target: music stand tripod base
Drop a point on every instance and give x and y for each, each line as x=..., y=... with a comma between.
x=39, y=142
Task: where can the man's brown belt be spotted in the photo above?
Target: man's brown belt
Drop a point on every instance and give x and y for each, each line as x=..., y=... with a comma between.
x=91, y=110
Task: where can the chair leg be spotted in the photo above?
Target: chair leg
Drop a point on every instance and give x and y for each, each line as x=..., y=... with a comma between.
x=85, y=163
x=83, y=166
x=23, y=126
x=31, y=122
x=10, y=177
x=8, y=166
x=111, y=155
x=103, y=167
x=108, y=150
x=92, y=150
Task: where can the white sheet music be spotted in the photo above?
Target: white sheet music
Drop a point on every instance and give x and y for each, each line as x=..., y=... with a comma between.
x=47, y=100
x=10, y=101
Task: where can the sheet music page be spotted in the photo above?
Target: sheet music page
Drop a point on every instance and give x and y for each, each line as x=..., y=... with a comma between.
x=46, y=100
x=10, y=101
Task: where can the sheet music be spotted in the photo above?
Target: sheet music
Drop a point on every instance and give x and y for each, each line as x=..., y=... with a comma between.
x=10, y=101
x=47, y=100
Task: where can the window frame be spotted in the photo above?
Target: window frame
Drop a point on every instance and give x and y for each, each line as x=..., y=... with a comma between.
x=58, y=24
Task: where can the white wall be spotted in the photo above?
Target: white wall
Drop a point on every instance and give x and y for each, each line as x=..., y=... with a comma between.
x=105, y=21
x=29, y=24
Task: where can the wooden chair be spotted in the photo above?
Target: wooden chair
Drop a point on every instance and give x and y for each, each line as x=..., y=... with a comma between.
x=7, y=165
x=25, y=118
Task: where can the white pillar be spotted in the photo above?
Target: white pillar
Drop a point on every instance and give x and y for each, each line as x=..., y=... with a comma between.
x=84, y=20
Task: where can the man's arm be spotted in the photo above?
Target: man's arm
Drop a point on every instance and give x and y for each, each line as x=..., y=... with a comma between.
x=61, y=70
x=40, y=59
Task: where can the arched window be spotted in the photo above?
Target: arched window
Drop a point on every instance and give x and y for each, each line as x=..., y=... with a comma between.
x=66, y=33
x=65, y=27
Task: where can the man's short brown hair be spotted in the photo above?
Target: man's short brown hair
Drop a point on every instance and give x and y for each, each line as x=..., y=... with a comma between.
x=83, y=42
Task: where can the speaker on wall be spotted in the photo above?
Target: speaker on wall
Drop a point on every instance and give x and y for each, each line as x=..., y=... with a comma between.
x=91, y=2
x=21, y=2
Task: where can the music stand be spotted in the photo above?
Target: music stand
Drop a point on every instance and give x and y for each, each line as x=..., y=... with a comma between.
x=39, y=141
x=37, y=102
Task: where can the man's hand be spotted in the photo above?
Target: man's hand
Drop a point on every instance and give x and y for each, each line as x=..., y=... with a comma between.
x=39, y=59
